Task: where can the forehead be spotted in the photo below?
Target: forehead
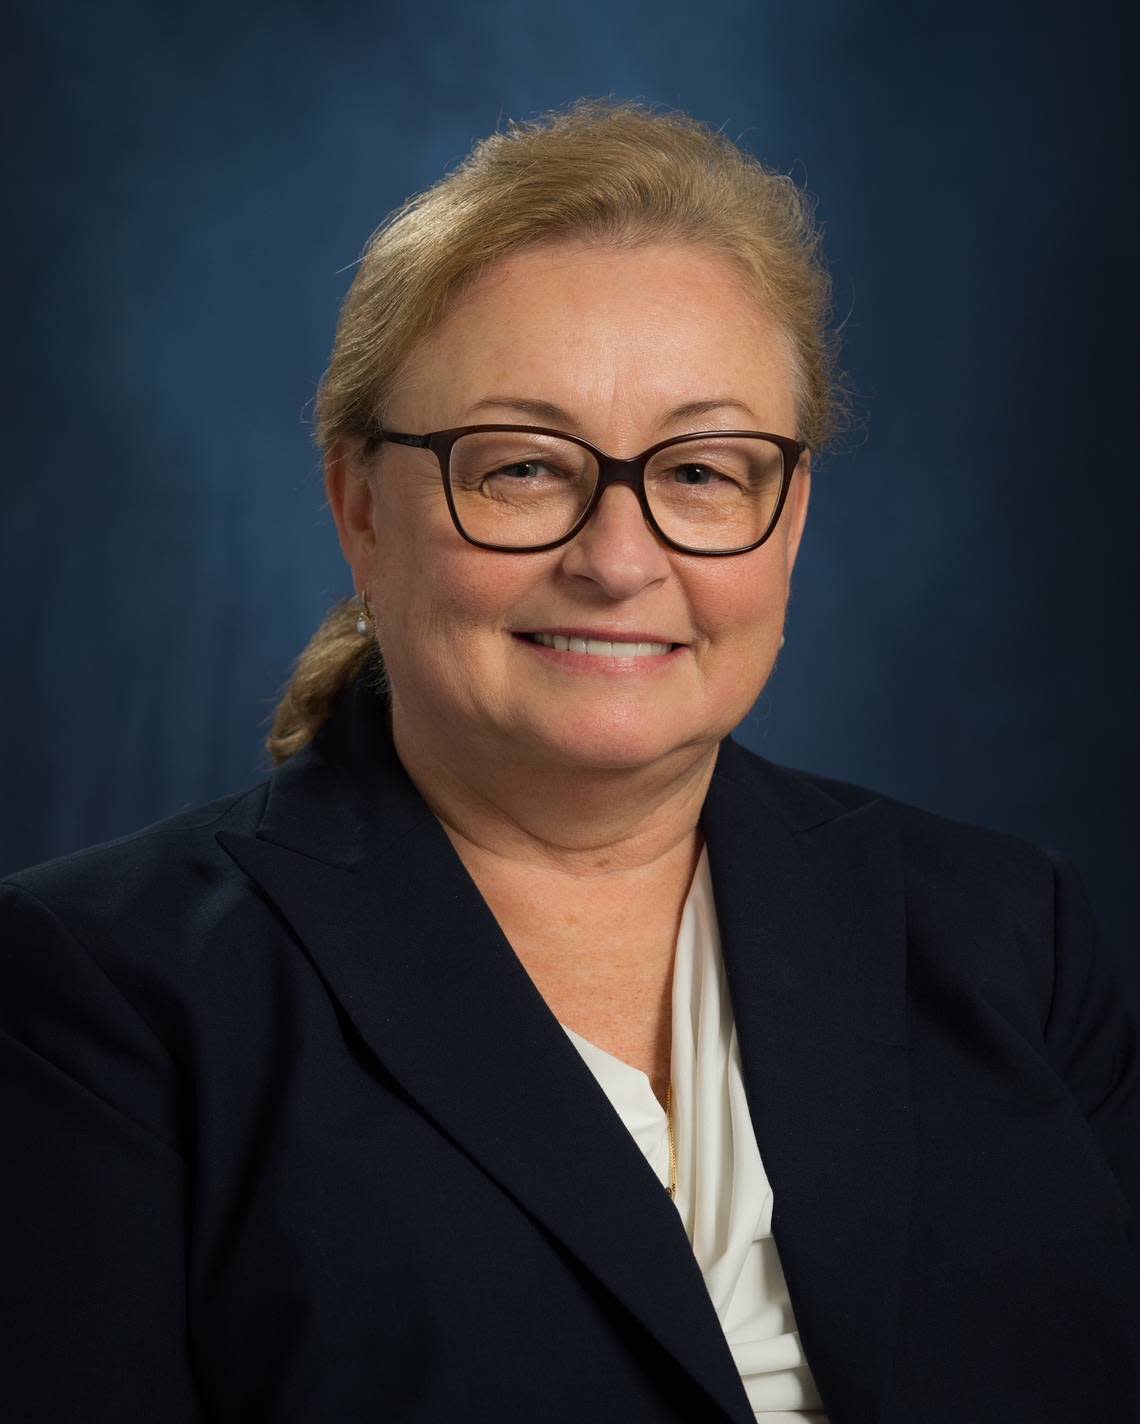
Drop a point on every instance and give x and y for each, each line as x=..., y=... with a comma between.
x=602, y=328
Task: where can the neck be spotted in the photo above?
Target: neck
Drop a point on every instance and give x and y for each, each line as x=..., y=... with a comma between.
x=579, y=821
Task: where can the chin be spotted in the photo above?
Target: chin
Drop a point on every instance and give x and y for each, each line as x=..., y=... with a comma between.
x=601, y=747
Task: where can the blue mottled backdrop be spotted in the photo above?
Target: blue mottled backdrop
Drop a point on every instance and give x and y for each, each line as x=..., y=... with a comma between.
x=189, y=188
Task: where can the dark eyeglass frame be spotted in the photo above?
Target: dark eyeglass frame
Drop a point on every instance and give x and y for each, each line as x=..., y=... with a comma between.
x=611, y=471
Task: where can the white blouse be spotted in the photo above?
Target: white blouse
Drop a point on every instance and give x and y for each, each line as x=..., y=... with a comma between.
x=723, y=1195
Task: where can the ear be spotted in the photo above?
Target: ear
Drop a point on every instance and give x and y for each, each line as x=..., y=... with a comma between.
x=351, y=498
x=799, y=494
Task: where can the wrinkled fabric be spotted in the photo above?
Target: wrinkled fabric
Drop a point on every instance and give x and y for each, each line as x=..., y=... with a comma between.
x=723, y=1195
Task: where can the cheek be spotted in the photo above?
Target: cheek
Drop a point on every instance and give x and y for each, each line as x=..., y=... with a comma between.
x=476, y=589
x=744, y=615
x=743, y=597
x=436, y=586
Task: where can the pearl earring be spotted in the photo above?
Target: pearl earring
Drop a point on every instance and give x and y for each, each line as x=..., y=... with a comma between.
x=364, y=617
x=783, y=640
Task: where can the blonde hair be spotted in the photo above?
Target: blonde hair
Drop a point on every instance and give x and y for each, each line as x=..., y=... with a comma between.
x=600, y=171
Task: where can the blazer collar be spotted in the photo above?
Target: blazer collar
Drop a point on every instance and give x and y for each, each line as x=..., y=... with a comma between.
x=809, y=902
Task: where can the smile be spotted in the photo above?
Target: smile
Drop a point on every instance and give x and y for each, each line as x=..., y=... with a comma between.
x=599, y=648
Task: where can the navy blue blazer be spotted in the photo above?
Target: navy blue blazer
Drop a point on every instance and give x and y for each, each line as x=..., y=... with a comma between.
x=290, y=1135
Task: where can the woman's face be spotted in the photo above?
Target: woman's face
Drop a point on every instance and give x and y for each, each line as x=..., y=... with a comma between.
x=618, y=340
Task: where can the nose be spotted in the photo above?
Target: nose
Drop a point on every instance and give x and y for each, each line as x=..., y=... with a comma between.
x=617, y=550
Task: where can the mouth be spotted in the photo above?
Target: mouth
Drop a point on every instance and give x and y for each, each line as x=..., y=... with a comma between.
x=630, y=646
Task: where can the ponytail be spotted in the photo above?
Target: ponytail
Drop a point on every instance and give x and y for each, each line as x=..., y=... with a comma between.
x=333, y=657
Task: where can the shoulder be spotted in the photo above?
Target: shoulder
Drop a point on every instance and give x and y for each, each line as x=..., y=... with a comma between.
x=940, y=855
x=994, y=906
x=155, y=885
x=178, y=846
x=100, y=965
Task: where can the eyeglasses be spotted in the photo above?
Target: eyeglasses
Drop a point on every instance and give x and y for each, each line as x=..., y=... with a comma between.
x=518, y=489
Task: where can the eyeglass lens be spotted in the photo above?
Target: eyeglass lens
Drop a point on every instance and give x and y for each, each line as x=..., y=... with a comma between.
x=519, y=490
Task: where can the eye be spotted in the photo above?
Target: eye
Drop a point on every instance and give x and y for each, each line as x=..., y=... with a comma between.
x=526, y=466
x=696, y=476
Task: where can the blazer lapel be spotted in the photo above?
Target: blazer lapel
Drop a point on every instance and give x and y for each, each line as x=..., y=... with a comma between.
x=810, y=904
x=366, y=877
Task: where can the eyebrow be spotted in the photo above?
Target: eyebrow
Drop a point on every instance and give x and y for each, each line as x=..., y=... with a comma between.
x=556, y=414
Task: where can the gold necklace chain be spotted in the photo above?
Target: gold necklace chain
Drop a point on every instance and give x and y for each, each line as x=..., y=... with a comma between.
x=672, y=1188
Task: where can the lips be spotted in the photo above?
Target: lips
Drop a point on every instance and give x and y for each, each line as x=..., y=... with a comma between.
x=603, y=635
x=601, y=647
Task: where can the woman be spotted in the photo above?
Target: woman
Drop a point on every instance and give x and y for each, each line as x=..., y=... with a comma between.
x=525, y=1047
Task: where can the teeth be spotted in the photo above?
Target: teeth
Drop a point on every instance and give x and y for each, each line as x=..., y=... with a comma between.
x=599, y=648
